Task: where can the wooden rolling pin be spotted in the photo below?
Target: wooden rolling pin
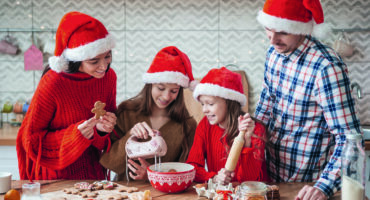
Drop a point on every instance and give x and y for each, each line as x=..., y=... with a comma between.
x=234, y=154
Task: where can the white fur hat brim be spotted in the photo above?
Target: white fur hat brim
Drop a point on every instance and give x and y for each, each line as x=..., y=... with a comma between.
x=294, y=27
x=167, y=77
x=216, y=90
x=81, y=53
x=280, y=24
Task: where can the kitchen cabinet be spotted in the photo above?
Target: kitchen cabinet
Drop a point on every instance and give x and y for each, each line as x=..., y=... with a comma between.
x=9, y=161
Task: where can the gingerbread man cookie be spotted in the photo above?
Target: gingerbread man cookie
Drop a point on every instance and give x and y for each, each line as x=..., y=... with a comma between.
x=128, y=189
x=98, y=109
x=89, y=194
x=71, y=191
x=118, y=197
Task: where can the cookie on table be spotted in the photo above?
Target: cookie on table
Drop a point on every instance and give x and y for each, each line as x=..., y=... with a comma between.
x=118, y=197
x=88, y=194
x=83, y=186
x=128, y=189
x=106, y=185
x=71, y=191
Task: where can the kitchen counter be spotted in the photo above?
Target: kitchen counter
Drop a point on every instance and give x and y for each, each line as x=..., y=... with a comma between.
x=287, y=190
x=8, y=136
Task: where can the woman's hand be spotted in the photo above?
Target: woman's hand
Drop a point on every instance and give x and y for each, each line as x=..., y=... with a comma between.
x=141, y=130
x=246, y=124
x=139, y=170
x=107, y=122
x=87, y=127
x=224, y=177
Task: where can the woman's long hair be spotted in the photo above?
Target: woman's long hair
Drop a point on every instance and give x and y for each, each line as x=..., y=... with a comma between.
x=73, y=67
x=177, y=111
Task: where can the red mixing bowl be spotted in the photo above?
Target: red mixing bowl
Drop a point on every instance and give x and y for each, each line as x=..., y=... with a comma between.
x=171, y=177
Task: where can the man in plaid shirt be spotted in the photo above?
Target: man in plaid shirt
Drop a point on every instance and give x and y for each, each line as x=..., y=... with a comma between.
x=306, y=100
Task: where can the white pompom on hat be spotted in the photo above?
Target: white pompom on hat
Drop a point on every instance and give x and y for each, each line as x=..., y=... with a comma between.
x=301, y=17
x=171, y=65
x=79, y=37
x=221, y=83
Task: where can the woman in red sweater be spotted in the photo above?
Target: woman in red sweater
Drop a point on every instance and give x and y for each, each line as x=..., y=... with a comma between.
x=60, y=137
x=221, y=94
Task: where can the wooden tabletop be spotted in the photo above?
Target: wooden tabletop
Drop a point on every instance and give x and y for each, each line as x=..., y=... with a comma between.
x=287, y=190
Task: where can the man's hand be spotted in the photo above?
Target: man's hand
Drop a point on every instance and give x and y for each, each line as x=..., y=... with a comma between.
x=310, y=193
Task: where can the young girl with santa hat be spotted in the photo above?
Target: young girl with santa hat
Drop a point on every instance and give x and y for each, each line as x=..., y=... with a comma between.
x=221, y=94
x=60, y=137
x=159, y=106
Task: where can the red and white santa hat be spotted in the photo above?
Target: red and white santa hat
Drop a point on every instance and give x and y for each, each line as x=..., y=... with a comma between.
x=301, y=17
x=221, y=83
x=171, y=65
x=79, y=37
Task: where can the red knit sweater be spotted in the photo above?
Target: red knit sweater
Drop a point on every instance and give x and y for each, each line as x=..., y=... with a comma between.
x=49, y=145
x=209, y=146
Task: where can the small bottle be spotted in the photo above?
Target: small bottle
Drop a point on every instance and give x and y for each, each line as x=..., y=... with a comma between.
x=251, y=190
x=31, y=191
x=353, y=168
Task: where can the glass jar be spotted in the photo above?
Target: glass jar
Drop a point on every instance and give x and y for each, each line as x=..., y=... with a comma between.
x=353, y=168
x=251, y=190
x=31, y=191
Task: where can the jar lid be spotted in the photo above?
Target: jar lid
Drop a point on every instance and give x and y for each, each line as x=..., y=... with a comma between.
x=254, y=187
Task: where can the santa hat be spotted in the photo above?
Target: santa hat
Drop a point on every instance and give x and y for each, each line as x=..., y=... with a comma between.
x=79, y=37
x=221, y=83
x=170, y=65
x=301, y=17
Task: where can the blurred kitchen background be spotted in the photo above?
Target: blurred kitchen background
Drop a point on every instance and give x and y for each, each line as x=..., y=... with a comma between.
x=213, y=33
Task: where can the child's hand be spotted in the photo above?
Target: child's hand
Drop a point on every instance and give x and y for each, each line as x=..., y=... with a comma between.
x=224, y=176
x=141, y=130
x=87, y=127
x=107, y=122
x=246, y=124
x=139, y=170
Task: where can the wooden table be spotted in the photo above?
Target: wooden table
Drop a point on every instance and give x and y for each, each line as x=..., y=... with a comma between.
x=287, y=190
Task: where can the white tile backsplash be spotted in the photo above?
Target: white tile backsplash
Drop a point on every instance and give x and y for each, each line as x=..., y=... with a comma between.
x=212, y=33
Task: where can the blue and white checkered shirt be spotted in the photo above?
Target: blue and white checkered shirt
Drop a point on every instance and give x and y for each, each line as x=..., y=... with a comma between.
x=307, y=105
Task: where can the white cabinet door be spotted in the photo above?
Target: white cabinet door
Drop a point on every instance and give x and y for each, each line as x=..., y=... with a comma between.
x=9, y=161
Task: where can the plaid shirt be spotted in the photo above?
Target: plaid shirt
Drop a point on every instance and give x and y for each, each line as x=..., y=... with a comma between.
x=307, y=105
